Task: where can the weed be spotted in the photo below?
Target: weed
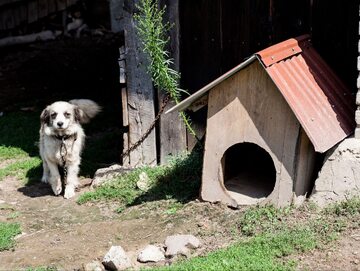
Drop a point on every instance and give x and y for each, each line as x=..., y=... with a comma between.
x=348, y=207
x=179, y=180
x=262, y=219
x=7, y=233
x=153, y=33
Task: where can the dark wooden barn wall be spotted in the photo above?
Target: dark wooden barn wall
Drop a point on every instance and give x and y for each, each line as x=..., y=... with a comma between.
x=217, y=35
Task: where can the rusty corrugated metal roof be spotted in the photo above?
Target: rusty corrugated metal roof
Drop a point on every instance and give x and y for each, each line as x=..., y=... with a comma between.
x=321, y=102
x=323, y=105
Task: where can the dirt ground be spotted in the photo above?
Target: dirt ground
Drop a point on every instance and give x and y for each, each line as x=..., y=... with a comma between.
x=63, y=234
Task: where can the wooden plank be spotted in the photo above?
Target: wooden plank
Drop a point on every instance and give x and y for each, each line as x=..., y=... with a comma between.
x=305, y=165
x=172, y=131
x=140, y=98
x=125, y=116
x=247, y=107
x=198, y=104
x=33, y=11
x=122, y=71
x=124, y=103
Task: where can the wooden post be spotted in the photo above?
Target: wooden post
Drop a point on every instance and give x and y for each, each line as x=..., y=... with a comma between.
x=172, y=130
x=140, y=94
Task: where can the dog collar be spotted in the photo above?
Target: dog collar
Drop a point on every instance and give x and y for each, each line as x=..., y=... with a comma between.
x=66, y=137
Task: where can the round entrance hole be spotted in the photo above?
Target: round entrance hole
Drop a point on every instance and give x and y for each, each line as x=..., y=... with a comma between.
x=249, y=173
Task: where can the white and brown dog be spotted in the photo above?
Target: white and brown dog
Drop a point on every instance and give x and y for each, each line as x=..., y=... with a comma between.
x=62, y=140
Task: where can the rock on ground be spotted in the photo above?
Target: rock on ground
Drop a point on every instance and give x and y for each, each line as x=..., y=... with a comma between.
x=105, y=174
x=180, y=244
x=151, y=253
x=116, y=259
x=339, y=177
x=93, y=266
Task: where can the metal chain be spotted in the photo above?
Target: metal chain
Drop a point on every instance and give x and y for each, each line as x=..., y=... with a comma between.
x=63, y=159
x=148, y=131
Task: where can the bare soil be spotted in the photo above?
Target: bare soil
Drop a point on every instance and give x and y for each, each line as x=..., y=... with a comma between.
x=63, y=234
x=60, y=233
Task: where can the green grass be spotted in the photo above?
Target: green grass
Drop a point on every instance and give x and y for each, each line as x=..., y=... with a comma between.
x=7, y=233
x=275, y=234
x=18, y=137
x=19, y=153
x=179, y=180
x=262, y=252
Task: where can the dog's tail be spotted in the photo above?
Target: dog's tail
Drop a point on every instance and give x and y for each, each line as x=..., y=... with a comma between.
x=88, y=107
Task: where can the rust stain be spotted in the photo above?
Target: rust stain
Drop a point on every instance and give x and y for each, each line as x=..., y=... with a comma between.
x=320, y=101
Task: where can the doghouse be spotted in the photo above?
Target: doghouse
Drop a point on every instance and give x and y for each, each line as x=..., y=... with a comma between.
x=266, y=120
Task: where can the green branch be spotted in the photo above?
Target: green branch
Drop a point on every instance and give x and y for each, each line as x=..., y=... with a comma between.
x=152, y=32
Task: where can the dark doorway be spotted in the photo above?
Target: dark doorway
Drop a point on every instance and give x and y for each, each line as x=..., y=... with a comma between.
x=249, y=173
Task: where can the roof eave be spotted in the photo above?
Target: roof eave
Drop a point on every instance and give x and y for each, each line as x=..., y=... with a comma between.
x=197, y=95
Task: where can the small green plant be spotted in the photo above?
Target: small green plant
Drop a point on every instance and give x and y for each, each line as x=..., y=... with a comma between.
x=179, y=179
x=262, y=219
x=153, y=32
x=7, y=233
x=348, y=207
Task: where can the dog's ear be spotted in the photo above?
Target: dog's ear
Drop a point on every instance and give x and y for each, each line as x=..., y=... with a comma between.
x=45, y=116
x=79, y=115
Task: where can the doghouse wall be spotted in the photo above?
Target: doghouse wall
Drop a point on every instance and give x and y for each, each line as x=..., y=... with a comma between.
x=247, y=107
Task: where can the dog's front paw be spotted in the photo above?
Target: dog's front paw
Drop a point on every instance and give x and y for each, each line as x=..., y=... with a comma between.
x=56, y=189
x=69, y=191
x=56, y=185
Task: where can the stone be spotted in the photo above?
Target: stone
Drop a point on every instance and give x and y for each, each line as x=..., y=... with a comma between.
x=180, y=244
x=339, y=177
x=116, y=259
x=151, y=253
x=298, y=201
x=144, y=182
x=103, y=175
x=93, y=266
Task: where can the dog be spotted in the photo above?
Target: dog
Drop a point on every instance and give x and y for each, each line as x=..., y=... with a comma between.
x=61, y=142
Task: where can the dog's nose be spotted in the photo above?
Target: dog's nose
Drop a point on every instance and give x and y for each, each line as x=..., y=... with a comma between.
x=60, y=124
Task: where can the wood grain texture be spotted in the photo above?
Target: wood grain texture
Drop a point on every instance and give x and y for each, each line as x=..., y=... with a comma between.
x=248, y=107
x=140, y=98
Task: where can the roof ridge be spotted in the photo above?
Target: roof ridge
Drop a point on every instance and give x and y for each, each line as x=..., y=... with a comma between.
x=283, y=50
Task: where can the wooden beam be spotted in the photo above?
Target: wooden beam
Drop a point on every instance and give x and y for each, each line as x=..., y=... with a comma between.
x=125, y=116
x=172, y=131
x=140, y=98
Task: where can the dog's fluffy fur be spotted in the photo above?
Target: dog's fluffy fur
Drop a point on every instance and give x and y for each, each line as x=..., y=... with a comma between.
x=62, y=140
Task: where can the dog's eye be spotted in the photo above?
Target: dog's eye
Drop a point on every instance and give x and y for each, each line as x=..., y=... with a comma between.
x=67, y=115
x=53, y=115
